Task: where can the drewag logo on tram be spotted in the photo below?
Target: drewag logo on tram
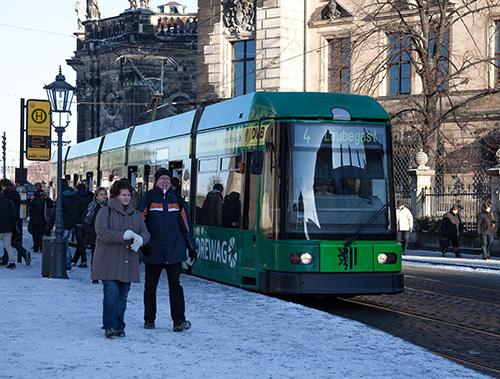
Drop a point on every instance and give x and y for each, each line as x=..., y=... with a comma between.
x=218, y=251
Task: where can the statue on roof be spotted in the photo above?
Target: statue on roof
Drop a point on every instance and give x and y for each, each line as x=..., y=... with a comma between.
x=145, y=4
x=93, y=10
x=80, y=14
x=133, y=4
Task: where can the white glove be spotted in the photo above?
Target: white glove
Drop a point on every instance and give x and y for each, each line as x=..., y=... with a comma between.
x=137, y=242
x=128, y=235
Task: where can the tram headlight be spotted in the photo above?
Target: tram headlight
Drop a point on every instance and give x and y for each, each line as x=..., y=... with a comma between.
x=301, y=258
x=387, y=258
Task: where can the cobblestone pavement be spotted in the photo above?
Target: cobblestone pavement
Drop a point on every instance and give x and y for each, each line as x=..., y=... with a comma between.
x=452, y=312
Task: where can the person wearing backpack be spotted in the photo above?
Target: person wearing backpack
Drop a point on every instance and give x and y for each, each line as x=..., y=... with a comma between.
x=171, y=235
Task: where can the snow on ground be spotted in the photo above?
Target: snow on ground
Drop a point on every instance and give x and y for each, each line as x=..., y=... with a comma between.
x=52, y=329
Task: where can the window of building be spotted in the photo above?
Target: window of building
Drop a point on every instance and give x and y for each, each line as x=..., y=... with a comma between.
x=243, y=67
x=442, y=60
x=399, y=63
x=339, y=69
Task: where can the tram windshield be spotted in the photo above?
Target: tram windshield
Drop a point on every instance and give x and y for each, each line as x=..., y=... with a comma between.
x=335, y=179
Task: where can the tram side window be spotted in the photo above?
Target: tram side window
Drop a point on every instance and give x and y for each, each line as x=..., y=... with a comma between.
x=207, y=178
x=232, y=176
x=219, y=191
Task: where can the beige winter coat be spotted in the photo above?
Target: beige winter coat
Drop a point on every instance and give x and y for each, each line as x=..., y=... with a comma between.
x=404, y=220
x=113, y=257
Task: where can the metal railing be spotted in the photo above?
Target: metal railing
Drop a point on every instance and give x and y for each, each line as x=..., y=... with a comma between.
x=435, y=202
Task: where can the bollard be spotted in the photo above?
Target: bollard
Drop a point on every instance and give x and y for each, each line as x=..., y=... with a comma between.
x=46, y=255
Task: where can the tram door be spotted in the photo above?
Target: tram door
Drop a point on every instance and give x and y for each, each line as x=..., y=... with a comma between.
x=249, y=259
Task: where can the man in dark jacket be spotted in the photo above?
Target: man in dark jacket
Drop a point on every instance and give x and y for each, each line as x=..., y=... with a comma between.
x=9, y=190
x=171, y=234
x=37, y=221
x=70, y=208
x=84, y=200
x=485, y=228
x=451, y=227
x=212, y=206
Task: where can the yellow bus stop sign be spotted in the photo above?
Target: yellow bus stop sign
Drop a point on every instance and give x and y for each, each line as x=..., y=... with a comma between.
x=38, y=130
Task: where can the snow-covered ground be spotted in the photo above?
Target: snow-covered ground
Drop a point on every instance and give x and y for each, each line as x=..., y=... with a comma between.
x=52, y=329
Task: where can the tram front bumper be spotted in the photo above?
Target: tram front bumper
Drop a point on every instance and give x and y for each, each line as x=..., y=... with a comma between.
x=309, y=283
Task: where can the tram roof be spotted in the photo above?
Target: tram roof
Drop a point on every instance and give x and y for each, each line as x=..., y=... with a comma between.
x=115, y=140
x=257, y=105
x=88, y=147
x=167, y=127
x=64, y=151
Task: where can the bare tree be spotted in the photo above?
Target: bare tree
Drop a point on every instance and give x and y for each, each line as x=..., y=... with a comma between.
x=417, y=34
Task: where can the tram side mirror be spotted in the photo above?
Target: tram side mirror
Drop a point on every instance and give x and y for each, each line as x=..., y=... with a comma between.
x=257, y=160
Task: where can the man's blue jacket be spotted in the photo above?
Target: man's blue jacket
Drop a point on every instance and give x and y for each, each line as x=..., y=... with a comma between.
x=170, y=228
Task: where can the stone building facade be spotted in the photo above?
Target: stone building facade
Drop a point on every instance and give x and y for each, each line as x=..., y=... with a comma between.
x=135, y=67
x=344, y=46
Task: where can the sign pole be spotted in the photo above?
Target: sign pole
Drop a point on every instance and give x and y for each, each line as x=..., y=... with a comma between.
x=21, y=145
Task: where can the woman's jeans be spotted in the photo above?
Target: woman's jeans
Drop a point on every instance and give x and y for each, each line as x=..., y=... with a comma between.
x=114, y=304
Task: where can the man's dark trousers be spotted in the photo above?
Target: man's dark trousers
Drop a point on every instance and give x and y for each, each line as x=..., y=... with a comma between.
x=176, y=293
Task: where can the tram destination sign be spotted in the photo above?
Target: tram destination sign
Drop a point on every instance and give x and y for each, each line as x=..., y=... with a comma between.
x=38, y=130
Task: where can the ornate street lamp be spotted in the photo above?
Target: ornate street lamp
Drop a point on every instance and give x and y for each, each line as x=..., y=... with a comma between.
x=60, y=95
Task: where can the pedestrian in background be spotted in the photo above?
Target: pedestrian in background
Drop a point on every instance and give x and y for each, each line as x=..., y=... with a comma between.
x=451, y=228
x=84, y=200
x=7, y=225
x=49, y=214
x=10, y=192
x=404, y=224
x=70, y=208
x=37, y=222
x=171, y=234
x=116, y=260
x=88, y=222
x=485, y=229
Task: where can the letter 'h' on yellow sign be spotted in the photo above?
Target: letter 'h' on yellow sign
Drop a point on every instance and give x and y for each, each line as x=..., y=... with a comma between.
x=38, y=130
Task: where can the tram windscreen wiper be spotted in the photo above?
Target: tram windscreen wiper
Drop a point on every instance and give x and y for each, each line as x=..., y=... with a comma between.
x=362, y=228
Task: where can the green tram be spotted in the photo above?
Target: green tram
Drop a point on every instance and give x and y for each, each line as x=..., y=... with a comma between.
x=308, y=192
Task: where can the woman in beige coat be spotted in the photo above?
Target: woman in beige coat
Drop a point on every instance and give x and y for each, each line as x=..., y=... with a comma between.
x=120, y=233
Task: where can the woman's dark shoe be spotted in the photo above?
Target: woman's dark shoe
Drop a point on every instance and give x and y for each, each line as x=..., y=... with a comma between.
x=83, y=265
x=110, y=333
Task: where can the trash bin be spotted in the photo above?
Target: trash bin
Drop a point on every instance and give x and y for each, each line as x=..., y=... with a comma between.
x=46, y=255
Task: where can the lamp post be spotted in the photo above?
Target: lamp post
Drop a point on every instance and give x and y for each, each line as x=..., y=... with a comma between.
x=60, y=96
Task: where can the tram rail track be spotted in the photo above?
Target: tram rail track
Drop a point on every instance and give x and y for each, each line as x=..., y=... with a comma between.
x=490, y=370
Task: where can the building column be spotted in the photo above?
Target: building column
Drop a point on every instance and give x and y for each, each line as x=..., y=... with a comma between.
x=421, y=178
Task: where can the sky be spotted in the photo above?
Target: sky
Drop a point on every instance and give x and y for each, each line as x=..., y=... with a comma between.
x=52, y=329
x=36, y=37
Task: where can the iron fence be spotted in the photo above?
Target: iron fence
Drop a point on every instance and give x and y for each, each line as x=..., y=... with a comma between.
x=435, y=202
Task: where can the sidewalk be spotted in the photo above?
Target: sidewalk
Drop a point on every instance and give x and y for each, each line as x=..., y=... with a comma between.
x=467, y=261
x=52, y=329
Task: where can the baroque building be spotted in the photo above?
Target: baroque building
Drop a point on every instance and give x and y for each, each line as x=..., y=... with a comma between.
x=431, y=64
x=133, y=68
